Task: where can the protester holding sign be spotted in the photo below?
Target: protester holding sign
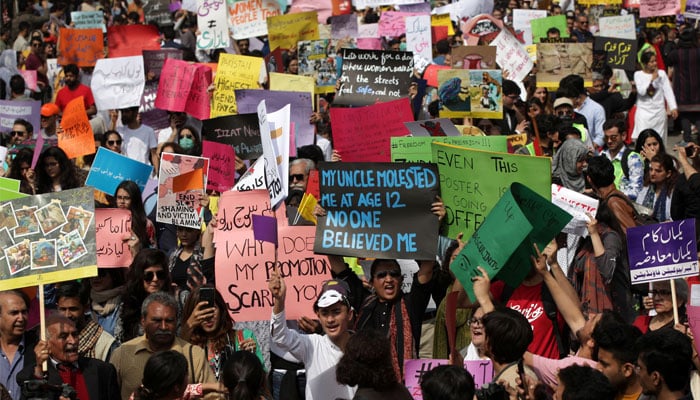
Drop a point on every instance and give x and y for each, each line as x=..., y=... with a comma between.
x=661, y=302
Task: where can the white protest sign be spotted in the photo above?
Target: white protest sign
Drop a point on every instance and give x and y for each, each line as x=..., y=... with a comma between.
x=418, y=39
x=621, y=27
x=212, y=22
x=118, y=82
x=512, y=56
x=521, y=21
x=253, y=178
x=249, y=18
x=272, y=176
x=88, y=20
x=576, y=204
x=279, y=133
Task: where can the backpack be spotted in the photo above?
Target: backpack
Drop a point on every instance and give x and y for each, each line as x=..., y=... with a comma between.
x=642, y=215
x=550, y=308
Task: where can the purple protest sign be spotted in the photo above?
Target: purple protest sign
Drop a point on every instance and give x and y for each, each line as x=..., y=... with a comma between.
x=265, y=228
x=247, y=102
x=481, y=370
x=662, y=251
x=11, y=110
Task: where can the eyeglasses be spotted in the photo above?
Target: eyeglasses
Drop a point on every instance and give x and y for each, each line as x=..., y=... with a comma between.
x=475, y=321
x=660, y=292
x=296, y=177
x=148, y=276
x=18, y=133
x=114, y=142
x=563, y=113
x=611, y=137
x=393, y=273
x=125, y=198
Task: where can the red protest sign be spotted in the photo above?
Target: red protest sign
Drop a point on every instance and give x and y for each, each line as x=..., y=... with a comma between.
x=132, y=40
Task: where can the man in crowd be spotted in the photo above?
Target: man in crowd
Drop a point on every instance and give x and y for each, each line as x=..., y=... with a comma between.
x=629, y=168
x=140, y=142
x=617, y=358
x=75, y=89
x=664, y=364
x=49, y=119
x=16, y=344
x=18, y=88
x=159, y=321
x=594, y=112
x=91, y=379
x=581, y=31
x=74, y=303
x=21, y=130
x=512, y=122
x=299, y=173
x=600, y=174
x=583, y=383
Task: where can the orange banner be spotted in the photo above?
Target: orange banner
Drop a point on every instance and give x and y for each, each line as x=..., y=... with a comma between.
x=82, y=47
x=76, y=139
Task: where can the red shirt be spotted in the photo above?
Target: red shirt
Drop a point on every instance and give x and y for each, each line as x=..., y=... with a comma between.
x=74, y=377
x=65, y=96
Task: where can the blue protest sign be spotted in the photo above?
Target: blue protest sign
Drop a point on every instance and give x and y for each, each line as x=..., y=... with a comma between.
x=109, y=169
x=663, y=251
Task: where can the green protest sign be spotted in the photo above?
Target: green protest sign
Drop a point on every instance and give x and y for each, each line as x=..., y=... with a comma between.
x=541, y=25
x=472, y=182
x=6, y=194
x=505, y=253
x=417, y=148
x=9, y=184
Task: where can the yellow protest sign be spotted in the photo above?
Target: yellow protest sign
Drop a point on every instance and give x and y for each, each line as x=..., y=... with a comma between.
x=284, y=31
x=233, y=72
x=442, y=20
x=292, y=83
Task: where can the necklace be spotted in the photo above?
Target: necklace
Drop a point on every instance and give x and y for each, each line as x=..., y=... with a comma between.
x=215, y=360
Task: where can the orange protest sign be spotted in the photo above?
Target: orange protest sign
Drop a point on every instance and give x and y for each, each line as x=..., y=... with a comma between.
x=82, y=47
x=76, y=139
x=192, y=180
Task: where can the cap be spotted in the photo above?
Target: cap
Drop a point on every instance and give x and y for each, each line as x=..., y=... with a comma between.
x=49, y=110
x=563, y=101
x=332, y=292
x=570, y=14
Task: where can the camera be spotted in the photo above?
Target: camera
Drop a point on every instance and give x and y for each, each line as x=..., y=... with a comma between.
x=492, y=391
x=40, y=389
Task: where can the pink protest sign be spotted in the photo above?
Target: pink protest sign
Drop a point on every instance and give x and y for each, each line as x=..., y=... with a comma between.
x=481, y=370
x=364, y=133
x=693, y=313
x=175, y=81
x=30, y=78
x=369, y=43
x=198, y=103
x=393, y=23
x=112, y=227
x=656, y=8
x=243, y=264
x=221, y=157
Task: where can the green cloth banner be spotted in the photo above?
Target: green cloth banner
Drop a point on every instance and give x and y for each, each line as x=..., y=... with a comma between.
x=472, y=181
x=417, y=148
x=529, y=218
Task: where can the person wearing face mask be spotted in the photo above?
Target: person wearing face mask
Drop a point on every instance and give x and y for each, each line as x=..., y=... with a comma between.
x=188, y=139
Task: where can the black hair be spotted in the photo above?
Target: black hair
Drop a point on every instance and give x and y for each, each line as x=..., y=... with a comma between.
x=575, y=82
x=71, y=69
x=244, y=377
x=508, y=334
x=366, y=361
x=17, y=84
x=106, y=135
x=618, y=339
x=647, y=56
x=378, y=261
x=164, y=371
x=442, y=46
x=26, y=124
x=600, y=171
x=68, y=176
x=644, y=135
x=509, y=87
x=616, y=123
x=585, y=383
x=139, y=221
x=668, y=352
x=447, y=382
x=72, y=289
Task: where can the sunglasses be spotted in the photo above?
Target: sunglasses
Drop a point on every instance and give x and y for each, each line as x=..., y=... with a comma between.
x=17, y=133
x=393, y=273
x=114, y=142
x=148, y=276
x=297, y=177
x=474, y=321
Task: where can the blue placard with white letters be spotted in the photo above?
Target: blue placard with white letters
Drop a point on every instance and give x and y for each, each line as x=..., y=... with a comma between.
x=109, y=169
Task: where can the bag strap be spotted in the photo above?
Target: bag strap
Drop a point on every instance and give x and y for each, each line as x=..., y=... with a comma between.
x=194, y=380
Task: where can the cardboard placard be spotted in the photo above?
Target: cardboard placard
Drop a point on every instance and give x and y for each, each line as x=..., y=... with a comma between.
x=241, y=131
x=77, y=138
x=118, y=82
x=109, y=169
x=112, y=226
x=248, y=18
x=370, y=76
x=180, y=208
x=82, y=47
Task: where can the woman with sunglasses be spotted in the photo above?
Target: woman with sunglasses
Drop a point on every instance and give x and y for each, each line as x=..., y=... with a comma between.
x=660, y=300
x=212, y=329
x=191, y=264
x=112, y=140
x=148, y=273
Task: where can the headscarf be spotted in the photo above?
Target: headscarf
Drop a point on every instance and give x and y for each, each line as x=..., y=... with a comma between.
x=564, y=164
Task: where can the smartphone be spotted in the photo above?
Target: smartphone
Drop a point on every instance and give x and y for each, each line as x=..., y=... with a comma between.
x=689, y=151
x=521, y=374
x=207, y=294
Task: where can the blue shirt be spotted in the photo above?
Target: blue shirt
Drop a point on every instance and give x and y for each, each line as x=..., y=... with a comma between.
x=595, y=117
x=8, y=372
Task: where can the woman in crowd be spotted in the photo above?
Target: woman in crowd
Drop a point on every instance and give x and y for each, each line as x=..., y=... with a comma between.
x=112, y=140
x=649, y=143
x=165, y=377
x=568, y=164
x=600, y=271
x=654, y=93
x=148, y=273
x=475, y=350
x=212, y=329
x=542, y=94
x=21, y=170
x=191, y=264
x=128, y=197
x=106, y=290
x=244, y=377
x=188, y=139
x=662, y=303
x=55, y=172
x=658, y=186
x=366, y=363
